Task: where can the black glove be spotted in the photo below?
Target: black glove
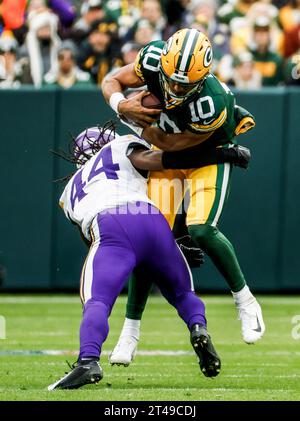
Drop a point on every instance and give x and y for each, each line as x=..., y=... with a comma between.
x=193, y=254
x=238, y=155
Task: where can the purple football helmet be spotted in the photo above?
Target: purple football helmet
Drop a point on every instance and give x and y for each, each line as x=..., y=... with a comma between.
x=90, y=141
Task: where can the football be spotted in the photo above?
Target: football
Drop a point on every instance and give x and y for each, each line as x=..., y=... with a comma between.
x=151, y=101
x=148, y=101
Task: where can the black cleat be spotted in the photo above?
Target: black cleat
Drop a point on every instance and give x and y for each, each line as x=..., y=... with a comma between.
x=243, y=156
x=209, y=361
x=81, y=374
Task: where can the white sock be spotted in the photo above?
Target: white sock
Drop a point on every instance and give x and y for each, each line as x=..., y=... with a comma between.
x=244, y=296
x=131, y=327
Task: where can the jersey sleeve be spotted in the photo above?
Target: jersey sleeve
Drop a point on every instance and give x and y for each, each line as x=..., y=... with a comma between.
x=138, y=65
x=63, y=201
x=207, y=114
x=244, y=120
x=148, y=60
x=137, y=143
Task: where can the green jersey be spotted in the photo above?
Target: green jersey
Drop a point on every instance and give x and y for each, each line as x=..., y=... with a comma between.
x=269, y=66
x=209, y=110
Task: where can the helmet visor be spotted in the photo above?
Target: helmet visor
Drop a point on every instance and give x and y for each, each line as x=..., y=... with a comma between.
x=182, y=90
x=178, y=92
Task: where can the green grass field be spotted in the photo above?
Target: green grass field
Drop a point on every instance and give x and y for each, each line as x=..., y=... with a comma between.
x=269, y=370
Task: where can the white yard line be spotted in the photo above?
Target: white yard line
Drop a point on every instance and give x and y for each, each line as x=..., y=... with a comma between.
x=66, y=352
x=39, y=300
x=146, y=353
x=218, y=300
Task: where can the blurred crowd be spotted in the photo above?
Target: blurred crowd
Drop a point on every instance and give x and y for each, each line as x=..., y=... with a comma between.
x=77, y=42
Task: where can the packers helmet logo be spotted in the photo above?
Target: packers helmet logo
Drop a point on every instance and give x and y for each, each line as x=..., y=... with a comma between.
x=167, y=46
x=208, y=57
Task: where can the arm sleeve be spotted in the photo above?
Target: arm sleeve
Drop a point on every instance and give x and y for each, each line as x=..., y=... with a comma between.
x=197, y=158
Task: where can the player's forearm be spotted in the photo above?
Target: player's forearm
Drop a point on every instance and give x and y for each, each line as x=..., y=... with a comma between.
x=119, y=80
x=193, y=158
x=189, y=158
x=109, y=86
x=147, y=160
x=172, y=142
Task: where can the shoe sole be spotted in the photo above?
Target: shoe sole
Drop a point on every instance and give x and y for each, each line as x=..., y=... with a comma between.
x=122, y=364
x=95, y=378
x=210, y=364
x=86, y=379
x=252, y=341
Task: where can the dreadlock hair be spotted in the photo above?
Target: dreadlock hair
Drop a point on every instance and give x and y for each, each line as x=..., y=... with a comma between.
x=77, y=155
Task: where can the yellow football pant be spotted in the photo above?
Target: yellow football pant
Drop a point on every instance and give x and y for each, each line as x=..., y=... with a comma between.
x=208, y=187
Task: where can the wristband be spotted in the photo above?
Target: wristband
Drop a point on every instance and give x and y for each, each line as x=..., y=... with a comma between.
x=115, y=99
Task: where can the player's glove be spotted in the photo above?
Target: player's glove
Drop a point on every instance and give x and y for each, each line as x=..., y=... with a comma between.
x=240, y=157
x=193, y=254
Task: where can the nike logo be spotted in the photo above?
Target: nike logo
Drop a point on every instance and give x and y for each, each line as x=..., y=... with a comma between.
x=208, y=122
x=258, y=329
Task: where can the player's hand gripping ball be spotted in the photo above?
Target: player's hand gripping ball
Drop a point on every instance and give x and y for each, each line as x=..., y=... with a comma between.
x=148, y=101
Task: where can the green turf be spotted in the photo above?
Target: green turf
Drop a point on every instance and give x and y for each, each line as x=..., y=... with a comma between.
x=269, y=370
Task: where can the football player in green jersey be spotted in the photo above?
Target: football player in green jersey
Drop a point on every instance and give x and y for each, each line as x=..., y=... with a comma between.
x=197, y=110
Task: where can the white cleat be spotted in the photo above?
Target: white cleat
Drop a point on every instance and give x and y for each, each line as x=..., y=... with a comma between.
x=253, y=326
x=124, y=352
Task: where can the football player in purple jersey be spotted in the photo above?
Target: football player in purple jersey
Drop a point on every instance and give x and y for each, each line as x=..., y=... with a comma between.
x=107, y=198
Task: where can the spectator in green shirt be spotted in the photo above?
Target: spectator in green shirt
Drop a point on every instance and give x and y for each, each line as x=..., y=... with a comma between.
x=267, y=62
x=231, y=10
